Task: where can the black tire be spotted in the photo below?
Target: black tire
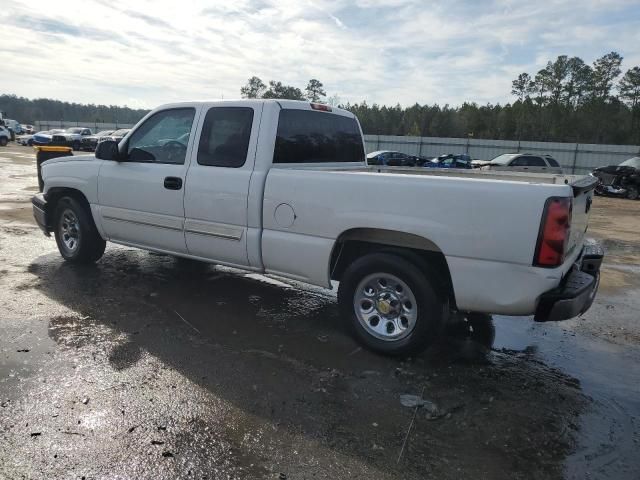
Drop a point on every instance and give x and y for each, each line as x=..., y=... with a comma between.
x=3, y=141
x=88, y=246
x=76, y=145
x=30, y=142
x=632, y=192
x=429, y=306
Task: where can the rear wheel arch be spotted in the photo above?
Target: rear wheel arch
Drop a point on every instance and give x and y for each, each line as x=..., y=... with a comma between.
x=420, y=251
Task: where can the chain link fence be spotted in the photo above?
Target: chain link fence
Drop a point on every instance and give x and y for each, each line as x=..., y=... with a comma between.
x=579, y=158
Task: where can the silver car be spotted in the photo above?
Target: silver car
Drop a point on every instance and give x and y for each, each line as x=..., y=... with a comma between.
x=524, y=162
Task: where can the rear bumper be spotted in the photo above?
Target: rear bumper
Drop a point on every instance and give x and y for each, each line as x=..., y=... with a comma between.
x=576, y=292
x=39, y=204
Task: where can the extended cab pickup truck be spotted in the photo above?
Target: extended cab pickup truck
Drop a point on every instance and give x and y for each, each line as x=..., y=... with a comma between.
x=282, y=187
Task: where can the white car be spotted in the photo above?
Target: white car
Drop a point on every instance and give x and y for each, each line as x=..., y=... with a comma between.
x=521, y=162
x=26, y=140
x=282, y=187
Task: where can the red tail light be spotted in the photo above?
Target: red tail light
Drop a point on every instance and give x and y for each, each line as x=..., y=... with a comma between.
x=321, y=106
x=555, y=229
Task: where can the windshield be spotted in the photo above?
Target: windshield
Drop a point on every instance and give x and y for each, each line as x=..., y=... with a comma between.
x=503, y=159
x=75, y=130
x=104, y=132
x=120, y=133
x=632, y=162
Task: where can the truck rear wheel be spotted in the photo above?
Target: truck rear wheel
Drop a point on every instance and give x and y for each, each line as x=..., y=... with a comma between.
x=76, y=234
x=633, y=193
x=3, y=141
x=391, y=305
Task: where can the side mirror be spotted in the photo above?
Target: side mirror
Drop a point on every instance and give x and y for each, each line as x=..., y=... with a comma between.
x=108, y=150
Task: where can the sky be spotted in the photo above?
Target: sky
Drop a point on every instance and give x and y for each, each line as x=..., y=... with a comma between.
x=145, y=53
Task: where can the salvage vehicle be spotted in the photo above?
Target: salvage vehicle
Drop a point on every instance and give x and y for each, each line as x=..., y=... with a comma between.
x=5, y=136
x=45, y=137
x=521, y=162
x=117, y=135
x=619, y=180
x=72, y=137
x=449, y=160
x=26, y=140
x=89, y=142
x=282, y=187
x=396, y=159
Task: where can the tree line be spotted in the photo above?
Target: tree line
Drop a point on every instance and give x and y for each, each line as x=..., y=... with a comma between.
x=29, y=111
x=566, y=101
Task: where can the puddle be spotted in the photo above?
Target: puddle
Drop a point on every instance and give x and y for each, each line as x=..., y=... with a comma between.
x=608, y=373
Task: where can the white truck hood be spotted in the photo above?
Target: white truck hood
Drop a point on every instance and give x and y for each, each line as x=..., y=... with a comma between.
x=74, y=158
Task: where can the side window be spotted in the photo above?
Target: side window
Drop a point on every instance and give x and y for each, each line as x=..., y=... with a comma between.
x=528, y=161
x=535, y=161
x=553, y=162
x=163, y=137
x=224, y=140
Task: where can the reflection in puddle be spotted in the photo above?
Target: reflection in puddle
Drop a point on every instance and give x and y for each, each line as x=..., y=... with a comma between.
x=610, y=374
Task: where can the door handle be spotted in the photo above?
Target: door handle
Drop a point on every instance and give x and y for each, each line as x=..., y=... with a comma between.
x=173, y=183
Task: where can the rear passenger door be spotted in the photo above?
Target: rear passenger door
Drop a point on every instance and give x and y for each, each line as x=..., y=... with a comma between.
x=217, y=184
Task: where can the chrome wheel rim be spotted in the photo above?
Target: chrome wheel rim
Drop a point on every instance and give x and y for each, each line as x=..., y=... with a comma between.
x=70, y=230
x=385, y=306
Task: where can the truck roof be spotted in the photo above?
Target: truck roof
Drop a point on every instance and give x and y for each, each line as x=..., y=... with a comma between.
x=284, y=104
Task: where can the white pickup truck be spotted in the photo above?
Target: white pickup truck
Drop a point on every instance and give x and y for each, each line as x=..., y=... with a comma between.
x=282, y=187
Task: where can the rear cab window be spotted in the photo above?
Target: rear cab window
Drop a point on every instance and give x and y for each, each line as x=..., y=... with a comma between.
x=307, y=136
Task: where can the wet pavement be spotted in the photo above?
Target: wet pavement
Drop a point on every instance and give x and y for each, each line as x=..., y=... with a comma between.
x=143, y=366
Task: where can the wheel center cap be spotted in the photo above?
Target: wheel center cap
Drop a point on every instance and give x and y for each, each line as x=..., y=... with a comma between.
x=384, y=306
x=387, y=305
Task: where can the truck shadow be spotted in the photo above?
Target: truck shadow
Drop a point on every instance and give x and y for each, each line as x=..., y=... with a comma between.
x=280, y=354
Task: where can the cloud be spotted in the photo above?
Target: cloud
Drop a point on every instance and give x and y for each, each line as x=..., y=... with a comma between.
x=385, y=51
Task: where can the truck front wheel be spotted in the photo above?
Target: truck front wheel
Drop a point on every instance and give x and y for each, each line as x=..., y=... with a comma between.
x=76, y=235
x=390, y=304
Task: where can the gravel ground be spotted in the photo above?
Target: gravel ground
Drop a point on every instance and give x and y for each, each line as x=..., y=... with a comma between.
x=145, y=367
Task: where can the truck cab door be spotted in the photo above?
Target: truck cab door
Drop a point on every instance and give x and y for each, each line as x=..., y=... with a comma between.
x=141, y=197
x=217, y=186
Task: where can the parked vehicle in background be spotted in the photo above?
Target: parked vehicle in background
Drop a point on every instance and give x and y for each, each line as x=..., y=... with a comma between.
x=27, y=129
x=45, y=137
x=521, y=162
x=282, y=187
x=5, y=136
x=89, y=142
x=619, y=180
x=13, y=126
x=394, y=159
x=26, y=140
x=450, y=160
x=72, y=137
x=117, y=135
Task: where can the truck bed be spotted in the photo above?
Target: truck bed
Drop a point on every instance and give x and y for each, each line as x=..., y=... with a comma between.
x=472, y=174
x=525, y=177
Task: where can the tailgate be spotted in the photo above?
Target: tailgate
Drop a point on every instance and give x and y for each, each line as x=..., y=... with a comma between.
x=582, y=199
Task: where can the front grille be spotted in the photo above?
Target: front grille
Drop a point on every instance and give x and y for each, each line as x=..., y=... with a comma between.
x=59, y=139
